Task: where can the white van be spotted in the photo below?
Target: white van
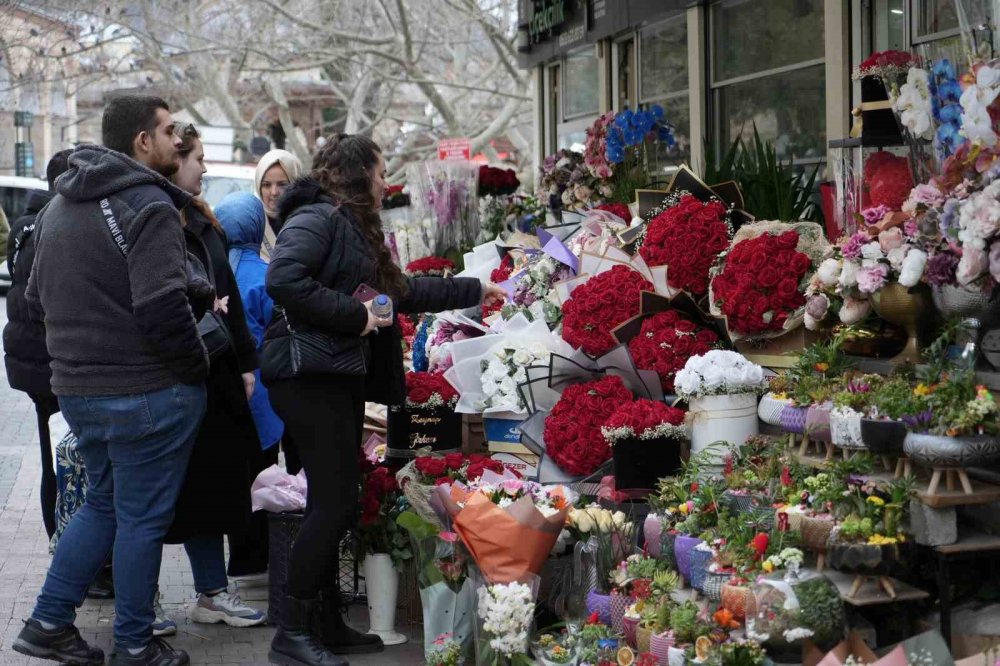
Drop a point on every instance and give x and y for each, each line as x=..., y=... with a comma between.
x=13, y=200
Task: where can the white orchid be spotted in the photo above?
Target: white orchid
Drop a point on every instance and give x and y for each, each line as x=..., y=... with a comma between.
x=914, y=104
x=975, y=101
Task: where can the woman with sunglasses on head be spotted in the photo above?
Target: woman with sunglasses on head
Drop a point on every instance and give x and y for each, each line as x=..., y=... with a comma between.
x=329, y=260
x=215, y=499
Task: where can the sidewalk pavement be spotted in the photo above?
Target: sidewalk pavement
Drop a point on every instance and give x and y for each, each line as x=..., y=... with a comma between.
x=24, y=558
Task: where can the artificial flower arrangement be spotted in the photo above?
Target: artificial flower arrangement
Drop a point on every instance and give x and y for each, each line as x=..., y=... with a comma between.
x=381, y=504
x=573, y=438
x=645, y=437
x=532, y=289
x=687, y=237
x=599, y=305
x=719, y=372
x=665, y=342
x=497, y=182
x=568, y=184
x=758, y=284
x=430, y=267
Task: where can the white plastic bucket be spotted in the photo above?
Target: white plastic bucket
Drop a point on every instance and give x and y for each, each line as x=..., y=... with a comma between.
x=723, y=418
x=382, y=586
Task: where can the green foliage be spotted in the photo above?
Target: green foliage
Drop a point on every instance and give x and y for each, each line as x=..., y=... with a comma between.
x=821, y=609
x=772, y=189
x=684, y=622
x=895, y=398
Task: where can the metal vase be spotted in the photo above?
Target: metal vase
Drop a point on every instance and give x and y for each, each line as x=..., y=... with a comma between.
x=912, y=309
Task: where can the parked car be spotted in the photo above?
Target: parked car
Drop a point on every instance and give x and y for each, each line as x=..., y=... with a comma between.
x=222, y=179
x=13, y=200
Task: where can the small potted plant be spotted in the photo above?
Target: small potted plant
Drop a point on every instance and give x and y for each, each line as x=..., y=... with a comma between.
x=849, y=405
x=882, y=428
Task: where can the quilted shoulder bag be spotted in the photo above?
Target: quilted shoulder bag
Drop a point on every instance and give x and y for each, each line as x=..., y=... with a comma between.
x=315, y=353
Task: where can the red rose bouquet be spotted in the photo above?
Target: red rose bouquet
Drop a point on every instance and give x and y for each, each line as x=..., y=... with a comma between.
x=758, y=285
x=427, y=390
x=644, y=419
x=688, y=237
x=497, y=182
x=436, y=470
x=573, y=428
x=407, y=330
x=666, y=341
x=619, y=209
x=599, y=305
x=381, y=504
x=499, y=274
x=430, y=267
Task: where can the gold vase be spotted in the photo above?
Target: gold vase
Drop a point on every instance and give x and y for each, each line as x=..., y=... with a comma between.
x=911, y=309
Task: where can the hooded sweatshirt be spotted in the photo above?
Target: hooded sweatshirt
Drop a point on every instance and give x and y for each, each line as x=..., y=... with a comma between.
x=293, y=169
x=115, y=324
x=242, y=217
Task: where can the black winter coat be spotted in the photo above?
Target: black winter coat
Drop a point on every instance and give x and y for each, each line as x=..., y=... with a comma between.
x=25, y=354
x=320, y=259
x=215, y=498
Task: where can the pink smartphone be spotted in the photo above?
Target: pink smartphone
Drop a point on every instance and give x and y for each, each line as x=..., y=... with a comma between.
x=364, y=293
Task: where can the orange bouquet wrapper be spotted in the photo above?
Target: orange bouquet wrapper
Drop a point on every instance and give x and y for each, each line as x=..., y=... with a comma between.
x=505, y=542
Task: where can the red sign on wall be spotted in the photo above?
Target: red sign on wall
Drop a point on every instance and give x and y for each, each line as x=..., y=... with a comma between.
x=454, y=149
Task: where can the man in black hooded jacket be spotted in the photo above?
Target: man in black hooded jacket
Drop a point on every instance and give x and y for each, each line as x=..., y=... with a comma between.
x=128, y=367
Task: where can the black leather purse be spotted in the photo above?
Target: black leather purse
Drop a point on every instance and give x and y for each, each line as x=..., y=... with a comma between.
x=316, y=353
x=212, y=327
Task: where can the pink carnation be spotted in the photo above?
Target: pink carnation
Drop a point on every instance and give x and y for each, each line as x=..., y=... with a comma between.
x=872, y=278
x=851, y=248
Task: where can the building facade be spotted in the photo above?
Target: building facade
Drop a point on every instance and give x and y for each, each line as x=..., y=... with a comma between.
x=720, y=67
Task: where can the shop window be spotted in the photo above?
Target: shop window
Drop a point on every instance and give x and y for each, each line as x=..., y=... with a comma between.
x=580, y=84
x=663, y=80
x=780, y=90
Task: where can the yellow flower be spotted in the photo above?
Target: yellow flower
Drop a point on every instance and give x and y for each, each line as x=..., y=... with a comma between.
x=768, y=567
x=922, y=389
x=876, y=500
x=822, y=367
x=683, y=507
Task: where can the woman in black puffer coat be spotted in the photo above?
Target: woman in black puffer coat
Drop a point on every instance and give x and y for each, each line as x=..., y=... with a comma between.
x=331, y=243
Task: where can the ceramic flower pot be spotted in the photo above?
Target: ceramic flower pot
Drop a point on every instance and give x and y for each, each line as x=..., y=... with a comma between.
x=907, y=308
x=883, y=438
x=769, y=409
x=600, y=604
x=700, y=561
x=817, y=424
x=713, y=584
x=793, y=419
x=652, y=532
x=683, y=548
x=845, y=428
x=738, y=600
x=643, y=636
x=629, y=625
x=943, y=452
x=619, y=603
x=866, y=559
x=816, y=531
x=659, y=646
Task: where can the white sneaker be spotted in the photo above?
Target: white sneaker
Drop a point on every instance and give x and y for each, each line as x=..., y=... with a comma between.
x=162, y=625
x=228, y=608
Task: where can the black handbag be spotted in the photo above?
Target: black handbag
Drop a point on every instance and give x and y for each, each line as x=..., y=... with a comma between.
x=212, y=328
x=316, y=353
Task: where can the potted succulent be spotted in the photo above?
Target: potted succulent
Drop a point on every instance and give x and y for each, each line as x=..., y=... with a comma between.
x=849, y=405
x=773, y=403
x=882, y=428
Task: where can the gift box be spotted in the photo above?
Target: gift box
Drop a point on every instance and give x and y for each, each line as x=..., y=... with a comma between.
x=641, y=463
x=502, y=431
x=438, y=429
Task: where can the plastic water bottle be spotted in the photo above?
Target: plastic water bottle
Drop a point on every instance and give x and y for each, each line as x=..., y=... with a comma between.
x=382, y=307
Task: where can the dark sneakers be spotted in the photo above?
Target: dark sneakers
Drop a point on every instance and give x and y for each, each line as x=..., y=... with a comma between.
x=157, y=653
x=294, y=644
x=62, y=644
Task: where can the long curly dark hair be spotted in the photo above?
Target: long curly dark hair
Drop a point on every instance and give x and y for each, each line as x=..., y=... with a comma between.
x=343, y=167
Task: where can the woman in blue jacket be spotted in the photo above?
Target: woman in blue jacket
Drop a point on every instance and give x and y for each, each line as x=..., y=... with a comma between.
x=242, y=217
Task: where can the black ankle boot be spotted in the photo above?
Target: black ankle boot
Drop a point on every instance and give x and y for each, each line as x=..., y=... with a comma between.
x=329, y=624
x=294, y=644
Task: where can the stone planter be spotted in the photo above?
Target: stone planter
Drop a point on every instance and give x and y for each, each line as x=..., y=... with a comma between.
x=864, y=559
x=940, y=452
x=817, y=426
x=769, y=409
x=845, y=429
x=883, y=438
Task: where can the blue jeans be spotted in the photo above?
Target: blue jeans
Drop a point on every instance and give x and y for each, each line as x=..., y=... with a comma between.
x=207, y=555
x=136, y=450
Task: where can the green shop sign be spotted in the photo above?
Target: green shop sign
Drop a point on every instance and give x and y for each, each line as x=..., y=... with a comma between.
x=546, y=16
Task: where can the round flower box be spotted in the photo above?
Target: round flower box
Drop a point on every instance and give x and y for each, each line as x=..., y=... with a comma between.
x=941, y=452
x=865, y=559
x=845, y=428
x=817, y=424
x=770, y=408
x=600, y=604
x=723, y=418
x=883, y=438
x=684, y=546
x=738, y=600
x=659, y=645
x=652, y=534
x=713, y=584
x=793, y=419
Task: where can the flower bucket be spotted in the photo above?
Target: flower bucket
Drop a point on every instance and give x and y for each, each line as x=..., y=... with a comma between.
x=629, y=625
x=770, y=408
x=619, y=602
x=817, y=424
x=600, y=604
x=641, y=463
x=382, y=585
x=793, y=419
x=652, y=533
x=659, y=645
x=683, y=548
x=738, y=600
x=723, y=418
x=845, y=428
x=700, y=561
x=643, y=636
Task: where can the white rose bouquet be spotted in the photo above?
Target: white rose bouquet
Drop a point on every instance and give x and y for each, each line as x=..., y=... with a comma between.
x=504, y=369
x=719, y=372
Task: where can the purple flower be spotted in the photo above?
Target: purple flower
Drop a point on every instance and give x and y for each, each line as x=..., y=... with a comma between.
x=911, y=228
x=919, y=422
x=941, y=268
x=873, y=215
x=855, y=386
x=872, y=278
x=851, y=248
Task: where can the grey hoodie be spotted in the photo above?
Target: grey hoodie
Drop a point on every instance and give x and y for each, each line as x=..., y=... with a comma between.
x=114, y=324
